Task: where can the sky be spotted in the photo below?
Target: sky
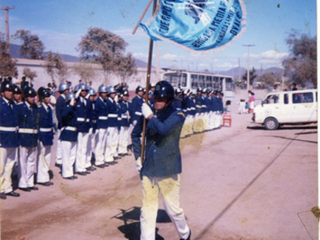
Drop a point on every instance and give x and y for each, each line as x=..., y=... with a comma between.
x=60, y=25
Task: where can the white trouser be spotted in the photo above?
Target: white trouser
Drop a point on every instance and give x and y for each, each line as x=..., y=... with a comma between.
x=89, y=148
x=8, y=157
x=112, y=143
x=58, y=152
x=101, y=140
x=169, y=187
x=27, y=165
x=82, y=152
x=69, y=151
x=44, y=156
x=123, y=140
x=217, y=120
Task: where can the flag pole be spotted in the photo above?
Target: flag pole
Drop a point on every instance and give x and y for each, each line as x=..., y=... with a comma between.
x=147, y=87
x=144, y=12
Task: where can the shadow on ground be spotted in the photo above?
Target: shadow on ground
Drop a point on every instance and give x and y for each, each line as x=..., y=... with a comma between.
x=131, y=219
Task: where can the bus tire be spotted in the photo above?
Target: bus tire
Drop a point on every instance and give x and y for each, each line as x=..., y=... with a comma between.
x=271, y=123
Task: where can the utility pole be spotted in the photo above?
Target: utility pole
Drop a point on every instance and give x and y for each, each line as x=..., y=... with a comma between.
x=6, y=19
x=248, y=69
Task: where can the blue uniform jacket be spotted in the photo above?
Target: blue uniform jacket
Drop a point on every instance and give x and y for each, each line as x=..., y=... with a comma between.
x=94, y=115
x=28, y=124
x=198, y=103
x=69, y=122
x=9, y=136
x=102, y=113
x=59, y=106
x=136, y=108
x=113, y=113
x=83, y=109
x=162, y=153
x=45, y=124
x=125, y=111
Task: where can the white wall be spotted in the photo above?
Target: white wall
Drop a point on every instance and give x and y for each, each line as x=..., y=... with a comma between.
x=99, y=78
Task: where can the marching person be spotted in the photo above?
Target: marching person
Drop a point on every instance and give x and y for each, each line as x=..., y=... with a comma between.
x=69, y=136
x=45, y=137
x=61, y=103
x=102, y=126
x=112, y=132
x=9, y=140
x=28, y=135
x=162, y=162
x=16, y=94
x=125, y=111
x=83, y=112
x=92, y=131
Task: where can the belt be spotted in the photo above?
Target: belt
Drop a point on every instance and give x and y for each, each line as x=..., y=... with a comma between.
x=124, y=116
x=138, y=113
x=112, y=115
x=45, y=129
x=70, y=129
x=28, y=130
x=9, y=129
x=119, y=119
x=103, y=118
x=83, y=120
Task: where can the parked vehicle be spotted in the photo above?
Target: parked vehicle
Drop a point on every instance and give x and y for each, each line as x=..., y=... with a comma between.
x=289, y=107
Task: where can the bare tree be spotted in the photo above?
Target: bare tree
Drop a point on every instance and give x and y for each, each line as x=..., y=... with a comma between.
x=85, y=71
x=56, y=67
x=253, y=76
x=8, y=66
x=29, y=74
x=31, y=46
x=301, y=65
x=108, y=49
x=268, y=79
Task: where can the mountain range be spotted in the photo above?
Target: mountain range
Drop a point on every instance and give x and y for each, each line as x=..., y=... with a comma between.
x=14, y=51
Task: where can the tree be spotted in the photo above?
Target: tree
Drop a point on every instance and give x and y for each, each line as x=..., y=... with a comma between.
x=56, y=67
x=253, y=76
x=85, y=71
x=301, y=65
x=108, y=49
x=29, y=74
x=8, y=66
x=127, y=67
x=268, y=79
x=31, y=47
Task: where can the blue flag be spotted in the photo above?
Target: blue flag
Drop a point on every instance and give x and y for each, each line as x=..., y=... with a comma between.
x=197, y=24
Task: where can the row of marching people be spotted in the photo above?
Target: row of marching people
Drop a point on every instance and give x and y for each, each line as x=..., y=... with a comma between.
x=203, y=110
x=93, y=131
x=26, y=137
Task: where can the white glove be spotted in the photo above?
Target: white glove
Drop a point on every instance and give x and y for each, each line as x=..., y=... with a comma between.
x=138, y=164
x=72, y=102
x=146, y=110
x=78, y=93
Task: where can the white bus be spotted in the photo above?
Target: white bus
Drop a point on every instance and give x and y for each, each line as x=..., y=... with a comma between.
x=192, y=80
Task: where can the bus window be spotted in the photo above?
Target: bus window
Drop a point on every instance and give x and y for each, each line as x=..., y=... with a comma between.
x=184, y=80
x=209, y=81
x=194, y=81
x=229, y=84
x=175, y=81
x=202, y=82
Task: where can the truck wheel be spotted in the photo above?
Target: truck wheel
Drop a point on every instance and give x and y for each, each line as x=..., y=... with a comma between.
x=271, y=123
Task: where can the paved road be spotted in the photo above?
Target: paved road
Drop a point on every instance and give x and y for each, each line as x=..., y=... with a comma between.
x=237, y=183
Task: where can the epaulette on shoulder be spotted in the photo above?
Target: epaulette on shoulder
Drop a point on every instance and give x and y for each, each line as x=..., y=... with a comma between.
x=181, y=113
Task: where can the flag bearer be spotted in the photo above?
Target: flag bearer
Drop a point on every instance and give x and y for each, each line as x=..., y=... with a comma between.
x=102, y=126
x=162, y=162
x=28, y=135
x=9, y=140
x=45, y=137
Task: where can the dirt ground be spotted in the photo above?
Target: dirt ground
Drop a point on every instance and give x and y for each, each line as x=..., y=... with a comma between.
x=238, y=182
